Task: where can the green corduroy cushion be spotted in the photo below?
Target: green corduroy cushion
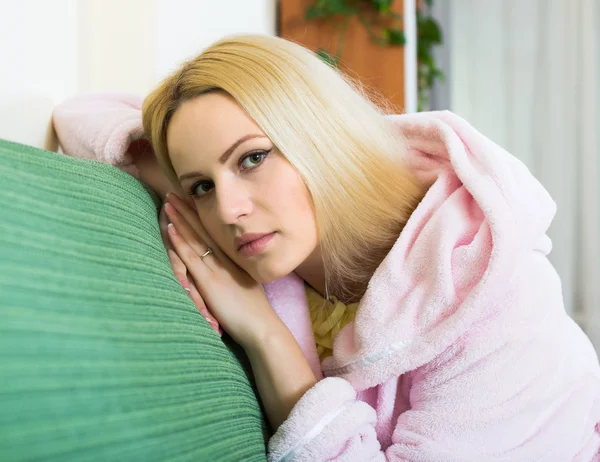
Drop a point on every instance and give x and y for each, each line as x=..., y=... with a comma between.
x=103, y=356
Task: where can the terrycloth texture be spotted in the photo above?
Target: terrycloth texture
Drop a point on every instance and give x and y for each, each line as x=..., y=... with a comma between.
x=103, y=356
x=288, y=298
x=100, y=126
x=461, y=349
x=328, y=317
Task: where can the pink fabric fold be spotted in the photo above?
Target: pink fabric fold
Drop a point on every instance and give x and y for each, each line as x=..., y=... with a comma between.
x=287, y=296
x=100, y=126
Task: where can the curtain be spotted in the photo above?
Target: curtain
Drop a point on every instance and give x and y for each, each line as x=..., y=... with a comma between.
x=526, y=74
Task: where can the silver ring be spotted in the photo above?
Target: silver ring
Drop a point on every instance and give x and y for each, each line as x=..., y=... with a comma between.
x=208, y=252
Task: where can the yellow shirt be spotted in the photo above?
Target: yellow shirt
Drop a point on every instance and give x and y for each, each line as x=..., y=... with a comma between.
x=328, y=318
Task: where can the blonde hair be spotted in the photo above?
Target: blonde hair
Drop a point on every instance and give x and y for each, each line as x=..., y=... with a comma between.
x=339, y=141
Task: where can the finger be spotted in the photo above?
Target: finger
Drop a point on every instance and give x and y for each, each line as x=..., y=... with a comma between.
x=179, y=269
x=190, y=215
x=199, y=270
x=203, y=309
x=163, y=222
x=188, y=284
x=180, y=227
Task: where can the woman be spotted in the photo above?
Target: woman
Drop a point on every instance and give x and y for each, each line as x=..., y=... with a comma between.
x=420, y=244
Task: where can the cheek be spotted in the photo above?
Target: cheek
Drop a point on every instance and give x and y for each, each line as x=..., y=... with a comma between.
x=293, y=203
x=214, y=230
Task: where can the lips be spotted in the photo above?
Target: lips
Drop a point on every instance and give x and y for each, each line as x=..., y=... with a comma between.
x=257, y=246
x=247, y=238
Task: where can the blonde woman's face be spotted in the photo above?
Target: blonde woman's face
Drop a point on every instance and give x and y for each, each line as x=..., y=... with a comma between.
x=240, y=183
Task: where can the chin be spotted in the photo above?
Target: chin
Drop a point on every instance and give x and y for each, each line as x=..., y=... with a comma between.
x=271, y=272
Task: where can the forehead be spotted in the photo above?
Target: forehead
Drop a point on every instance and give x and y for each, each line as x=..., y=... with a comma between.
x=207, y=124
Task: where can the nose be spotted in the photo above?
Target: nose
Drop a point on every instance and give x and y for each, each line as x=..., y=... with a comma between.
x=233, y=202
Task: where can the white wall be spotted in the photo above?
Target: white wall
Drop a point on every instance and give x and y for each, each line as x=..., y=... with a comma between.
x=115, y=42
x=53, y=49
x=185, y=27
x=131, y=45
x=38, y=50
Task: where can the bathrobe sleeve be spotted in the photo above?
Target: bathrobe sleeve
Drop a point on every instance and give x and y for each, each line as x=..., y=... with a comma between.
x=100, y=126
x=518, y=401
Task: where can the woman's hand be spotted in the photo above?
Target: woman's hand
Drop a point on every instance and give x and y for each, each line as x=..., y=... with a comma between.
x=150, y=173
x=240, y=305
x=237, y=301
x=182, y=275
x=148, y=170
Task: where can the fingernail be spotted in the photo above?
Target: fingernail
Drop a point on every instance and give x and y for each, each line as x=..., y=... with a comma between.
x=172, y=229
x=203, y=311
x=214, y=325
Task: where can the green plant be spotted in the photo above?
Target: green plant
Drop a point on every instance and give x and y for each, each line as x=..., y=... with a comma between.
x=382, y=25
x=429, y=35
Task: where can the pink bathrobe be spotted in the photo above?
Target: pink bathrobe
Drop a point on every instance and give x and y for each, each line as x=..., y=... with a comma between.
x=461, y=349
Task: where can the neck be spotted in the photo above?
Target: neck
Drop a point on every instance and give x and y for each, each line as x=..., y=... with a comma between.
x=313, y=271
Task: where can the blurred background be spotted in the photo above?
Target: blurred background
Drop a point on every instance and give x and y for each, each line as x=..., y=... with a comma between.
x=526, y=73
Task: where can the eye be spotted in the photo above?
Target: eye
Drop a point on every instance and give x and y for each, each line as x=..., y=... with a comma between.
x=200, y=188
x=247, y=162
x=253, y=159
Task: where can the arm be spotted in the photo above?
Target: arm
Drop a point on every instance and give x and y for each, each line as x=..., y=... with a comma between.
x=474, y=402
x=107, y=127
x=282, y=373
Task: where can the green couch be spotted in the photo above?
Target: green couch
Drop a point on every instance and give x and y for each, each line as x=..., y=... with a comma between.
x=103, y=356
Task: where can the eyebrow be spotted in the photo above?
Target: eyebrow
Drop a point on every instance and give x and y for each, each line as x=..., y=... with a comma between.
x=225, y=156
